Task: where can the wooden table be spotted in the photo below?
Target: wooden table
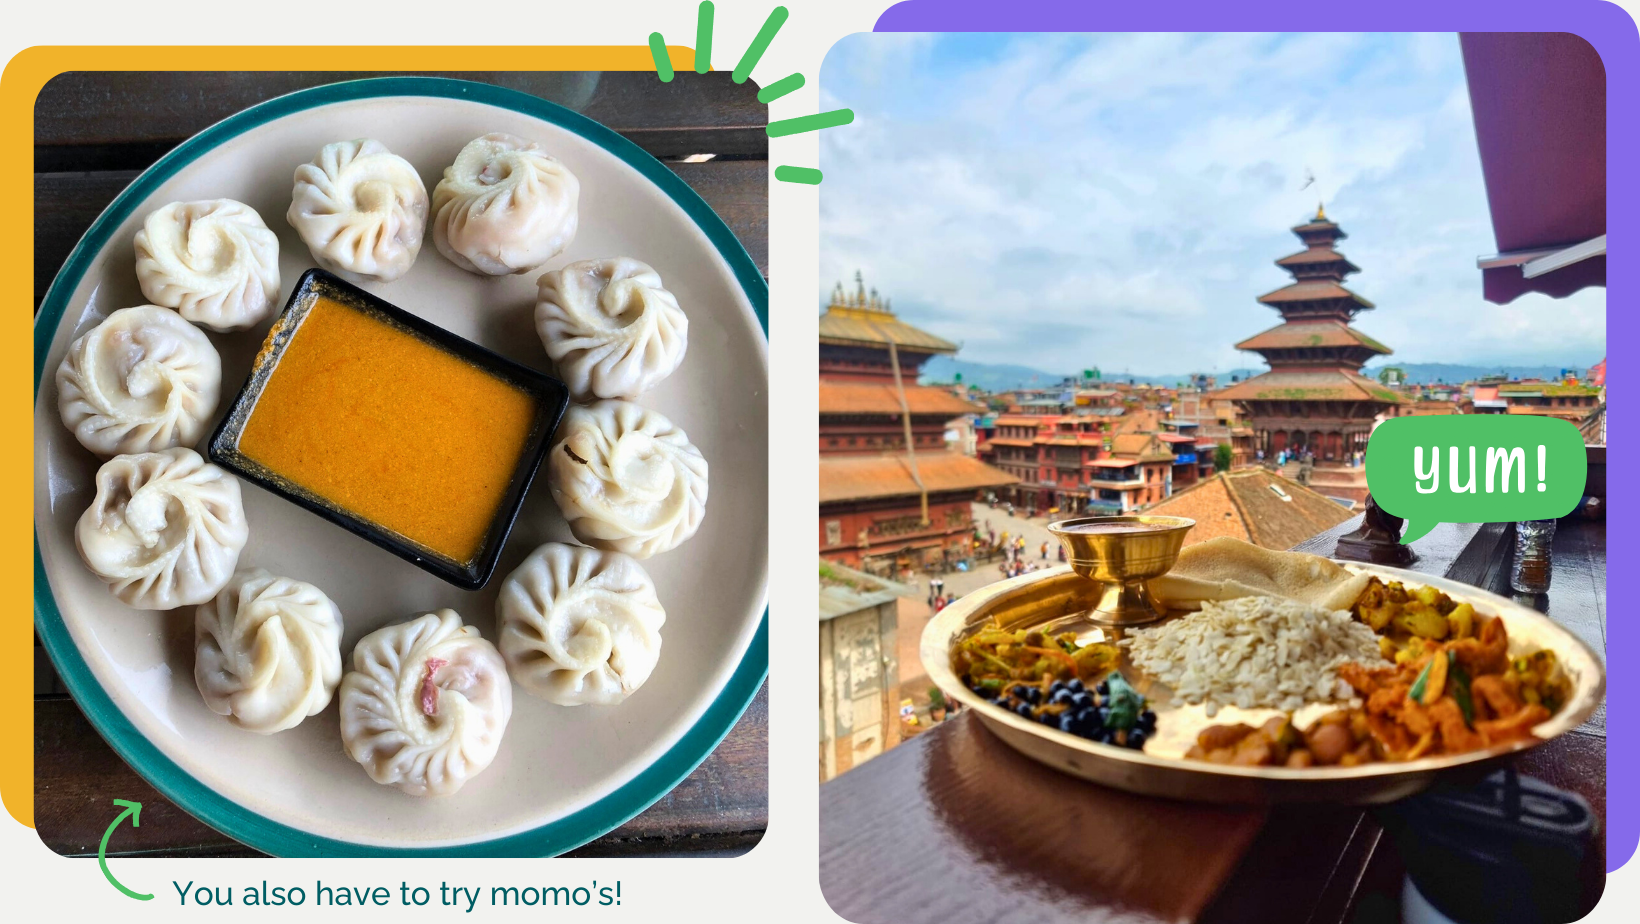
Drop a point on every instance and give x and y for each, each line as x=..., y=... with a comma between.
x=94, y=132
x=954, y=826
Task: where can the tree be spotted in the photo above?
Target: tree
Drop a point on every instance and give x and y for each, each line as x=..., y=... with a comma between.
x=1392, y=375
x=936, y=698
x=1222, y=457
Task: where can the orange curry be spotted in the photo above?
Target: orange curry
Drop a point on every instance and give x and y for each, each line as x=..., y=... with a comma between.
x=391, y=428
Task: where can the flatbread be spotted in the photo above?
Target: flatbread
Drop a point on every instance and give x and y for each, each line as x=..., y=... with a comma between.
x=1226, y=568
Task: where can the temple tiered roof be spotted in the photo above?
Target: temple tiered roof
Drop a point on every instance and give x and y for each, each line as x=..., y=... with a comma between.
x=865, y=477
x=1317, y=290
x=872, y=398
x=1297, y=334
x=1325, y=256
x=1324, y=385
x=860, y=318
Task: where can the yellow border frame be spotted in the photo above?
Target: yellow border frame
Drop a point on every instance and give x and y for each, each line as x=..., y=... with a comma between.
x=24, y=77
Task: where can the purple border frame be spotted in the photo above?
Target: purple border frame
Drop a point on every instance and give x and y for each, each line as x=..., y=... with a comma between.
x=1613, y=35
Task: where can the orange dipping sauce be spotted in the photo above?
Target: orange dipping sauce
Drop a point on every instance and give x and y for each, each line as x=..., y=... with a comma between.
x=391, y=428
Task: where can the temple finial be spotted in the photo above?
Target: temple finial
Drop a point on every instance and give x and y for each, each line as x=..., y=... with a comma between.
x=1320, y=212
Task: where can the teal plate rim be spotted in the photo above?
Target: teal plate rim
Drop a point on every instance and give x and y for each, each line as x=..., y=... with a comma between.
x=233, y=819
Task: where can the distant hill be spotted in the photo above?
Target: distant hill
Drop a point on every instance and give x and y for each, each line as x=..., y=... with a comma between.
x=1003, y=377
x=1454, y=373
x=987, y=376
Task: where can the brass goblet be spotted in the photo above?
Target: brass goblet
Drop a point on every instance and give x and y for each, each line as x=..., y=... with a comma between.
x=1120, y=554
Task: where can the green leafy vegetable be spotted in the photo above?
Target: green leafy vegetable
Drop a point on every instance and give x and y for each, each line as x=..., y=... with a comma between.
x=1123, y=704
x=1417, y=691
x=1459, y=681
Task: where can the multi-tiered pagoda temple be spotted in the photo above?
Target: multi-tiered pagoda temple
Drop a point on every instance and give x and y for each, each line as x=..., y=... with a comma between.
x=1314, y=398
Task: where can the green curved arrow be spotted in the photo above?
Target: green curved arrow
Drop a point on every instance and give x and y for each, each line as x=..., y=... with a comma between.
x=133, y=809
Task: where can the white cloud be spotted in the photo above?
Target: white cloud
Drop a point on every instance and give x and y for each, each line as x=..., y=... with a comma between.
x=1065, y=201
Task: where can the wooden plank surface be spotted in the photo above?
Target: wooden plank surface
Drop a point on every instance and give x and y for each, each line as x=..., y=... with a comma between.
x=95, y=132
x=957, y=827
x=96, y=119
x=722, y=806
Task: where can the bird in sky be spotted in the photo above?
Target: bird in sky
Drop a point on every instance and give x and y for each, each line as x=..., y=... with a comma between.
x=1309, y=179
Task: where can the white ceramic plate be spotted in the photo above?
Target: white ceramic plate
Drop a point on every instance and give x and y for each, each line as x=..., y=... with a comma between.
x=563, y=775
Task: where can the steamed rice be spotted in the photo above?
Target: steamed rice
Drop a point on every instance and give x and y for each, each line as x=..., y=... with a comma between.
x=1254, y=652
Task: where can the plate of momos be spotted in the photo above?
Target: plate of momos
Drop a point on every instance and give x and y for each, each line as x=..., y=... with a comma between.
x=303, y=689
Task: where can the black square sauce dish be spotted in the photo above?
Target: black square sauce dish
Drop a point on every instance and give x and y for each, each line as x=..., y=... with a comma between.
x=391, y=427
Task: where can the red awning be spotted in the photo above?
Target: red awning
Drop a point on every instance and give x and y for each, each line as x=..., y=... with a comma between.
x=1539, y=101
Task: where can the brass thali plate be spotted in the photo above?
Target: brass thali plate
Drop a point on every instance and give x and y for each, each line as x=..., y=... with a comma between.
x=1053, y=598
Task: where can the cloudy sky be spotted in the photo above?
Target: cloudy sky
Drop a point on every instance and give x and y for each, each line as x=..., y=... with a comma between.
x=1118, y=200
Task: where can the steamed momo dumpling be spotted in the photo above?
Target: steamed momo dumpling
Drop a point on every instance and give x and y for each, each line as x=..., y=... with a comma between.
x=267, y=651
x=626, y=478
x=165, y=529
x=425, y=704
x=360, y=209
x=142, y=380
x=610, y=327
x=505, y=206
x=579, y=626
x=214, y=261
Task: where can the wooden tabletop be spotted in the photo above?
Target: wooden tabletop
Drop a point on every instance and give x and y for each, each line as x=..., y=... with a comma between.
x=955, y=826
x=95, y=132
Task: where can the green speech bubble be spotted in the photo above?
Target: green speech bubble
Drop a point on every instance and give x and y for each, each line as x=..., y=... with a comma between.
x=1475, y=468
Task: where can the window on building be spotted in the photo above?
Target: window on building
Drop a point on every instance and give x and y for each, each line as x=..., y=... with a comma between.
x=834, y=532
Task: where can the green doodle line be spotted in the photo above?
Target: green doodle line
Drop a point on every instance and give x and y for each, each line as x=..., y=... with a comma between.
x=703, y=38
x=663, y=61
x=134, y=810
x=760, y=44
x=789, y=174
x=780, y=88
x=810, y=123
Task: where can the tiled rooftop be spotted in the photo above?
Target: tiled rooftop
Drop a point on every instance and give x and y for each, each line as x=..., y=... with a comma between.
x=854, y=326
x=861, y=477
x=1241, y=504
x=872, y=398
